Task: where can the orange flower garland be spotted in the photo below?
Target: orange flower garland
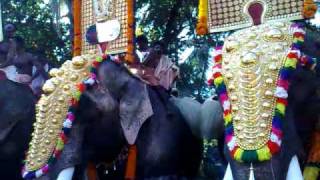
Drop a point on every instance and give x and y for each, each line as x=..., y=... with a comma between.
x=309, y=8
x=77, y=27
x=130, y=32
x=202, y=25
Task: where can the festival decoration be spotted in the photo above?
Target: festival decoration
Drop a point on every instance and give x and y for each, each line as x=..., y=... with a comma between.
x=309, y=8
x=55, y=112
x=130, y=32
x=244, y=112
x=76, y=9
x=202, y=25
x=225, y=15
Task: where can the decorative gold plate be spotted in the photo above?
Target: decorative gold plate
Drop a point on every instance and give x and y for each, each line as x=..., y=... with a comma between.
x=252, y=59
x=52, y=109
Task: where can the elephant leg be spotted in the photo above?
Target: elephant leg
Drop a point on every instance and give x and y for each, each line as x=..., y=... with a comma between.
x=212, y=165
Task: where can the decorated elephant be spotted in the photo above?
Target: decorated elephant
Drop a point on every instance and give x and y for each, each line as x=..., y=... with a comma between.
x=252, y=74
x=116, y=118
x=17, y=112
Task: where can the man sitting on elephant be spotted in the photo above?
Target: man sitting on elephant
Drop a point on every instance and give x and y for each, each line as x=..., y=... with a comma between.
x=16, y=62
x=157, y=69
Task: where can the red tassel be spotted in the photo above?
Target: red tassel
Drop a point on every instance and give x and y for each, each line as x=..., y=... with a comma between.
x=218, y=58
x=274, y=148
x=81, y=87
x=131, y=163
x=282, y=101
x=292, y=55
x=217, y=74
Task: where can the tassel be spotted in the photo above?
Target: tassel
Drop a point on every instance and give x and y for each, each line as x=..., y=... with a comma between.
x=251, y=177
x=131, y=163
x=91, y=171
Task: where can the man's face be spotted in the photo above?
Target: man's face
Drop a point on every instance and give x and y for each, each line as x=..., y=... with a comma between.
x=10, y=30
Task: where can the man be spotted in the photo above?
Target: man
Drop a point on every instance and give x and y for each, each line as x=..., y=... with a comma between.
x=24, y=63
x=8, y=51
x=158, y=69
x=142, y=47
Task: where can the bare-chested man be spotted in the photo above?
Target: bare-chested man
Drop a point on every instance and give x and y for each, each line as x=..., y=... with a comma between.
x=24, y=63
x=8, y=46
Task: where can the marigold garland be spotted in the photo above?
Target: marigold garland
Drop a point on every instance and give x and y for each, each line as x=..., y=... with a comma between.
x=130, y=32
x=309, y=8
x=274, y=142
x=77, y=28
x=70, y=117
x=202, y=25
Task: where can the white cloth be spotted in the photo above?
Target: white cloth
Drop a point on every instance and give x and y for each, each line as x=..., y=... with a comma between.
x=166, y=72
x=11, y=72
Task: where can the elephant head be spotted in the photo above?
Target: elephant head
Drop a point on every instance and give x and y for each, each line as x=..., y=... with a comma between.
x=120, y=110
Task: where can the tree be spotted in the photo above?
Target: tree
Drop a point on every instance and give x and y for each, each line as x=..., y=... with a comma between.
x=34, y=23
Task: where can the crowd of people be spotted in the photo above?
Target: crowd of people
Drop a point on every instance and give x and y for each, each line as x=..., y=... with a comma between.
x=20, y=66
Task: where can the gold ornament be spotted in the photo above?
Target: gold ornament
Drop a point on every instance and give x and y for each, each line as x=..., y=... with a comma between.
x=254, y=76
x=52, y=108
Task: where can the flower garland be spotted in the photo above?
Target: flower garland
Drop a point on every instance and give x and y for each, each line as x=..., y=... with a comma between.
x=67, y=124
x=281, y=94
x=77, y=27
x=309, y=8
x=202, y=25
x=130, y=32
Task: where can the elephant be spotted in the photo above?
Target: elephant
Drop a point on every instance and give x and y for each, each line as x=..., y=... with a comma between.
x=119, y=111
x=17, y=112
x=301, y=114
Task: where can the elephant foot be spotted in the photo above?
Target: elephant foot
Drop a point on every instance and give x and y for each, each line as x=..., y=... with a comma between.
x=212, y=165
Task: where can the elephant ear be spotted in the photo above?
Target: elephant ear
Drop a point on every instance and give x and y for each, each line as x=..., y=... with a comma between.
x=135, y=109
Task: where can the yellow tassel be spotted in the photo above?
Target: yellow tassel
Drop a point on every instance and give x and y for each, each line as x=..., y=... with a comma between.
x=238, y=155
x=264, y=154
x=218, y=81
x=291, y=62
x=228, y=119
x=281, y=107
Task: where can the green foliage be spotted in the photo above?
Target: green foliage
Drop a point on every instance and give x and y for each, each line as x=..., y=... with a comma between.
x=35, y=24
x=174, y=23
